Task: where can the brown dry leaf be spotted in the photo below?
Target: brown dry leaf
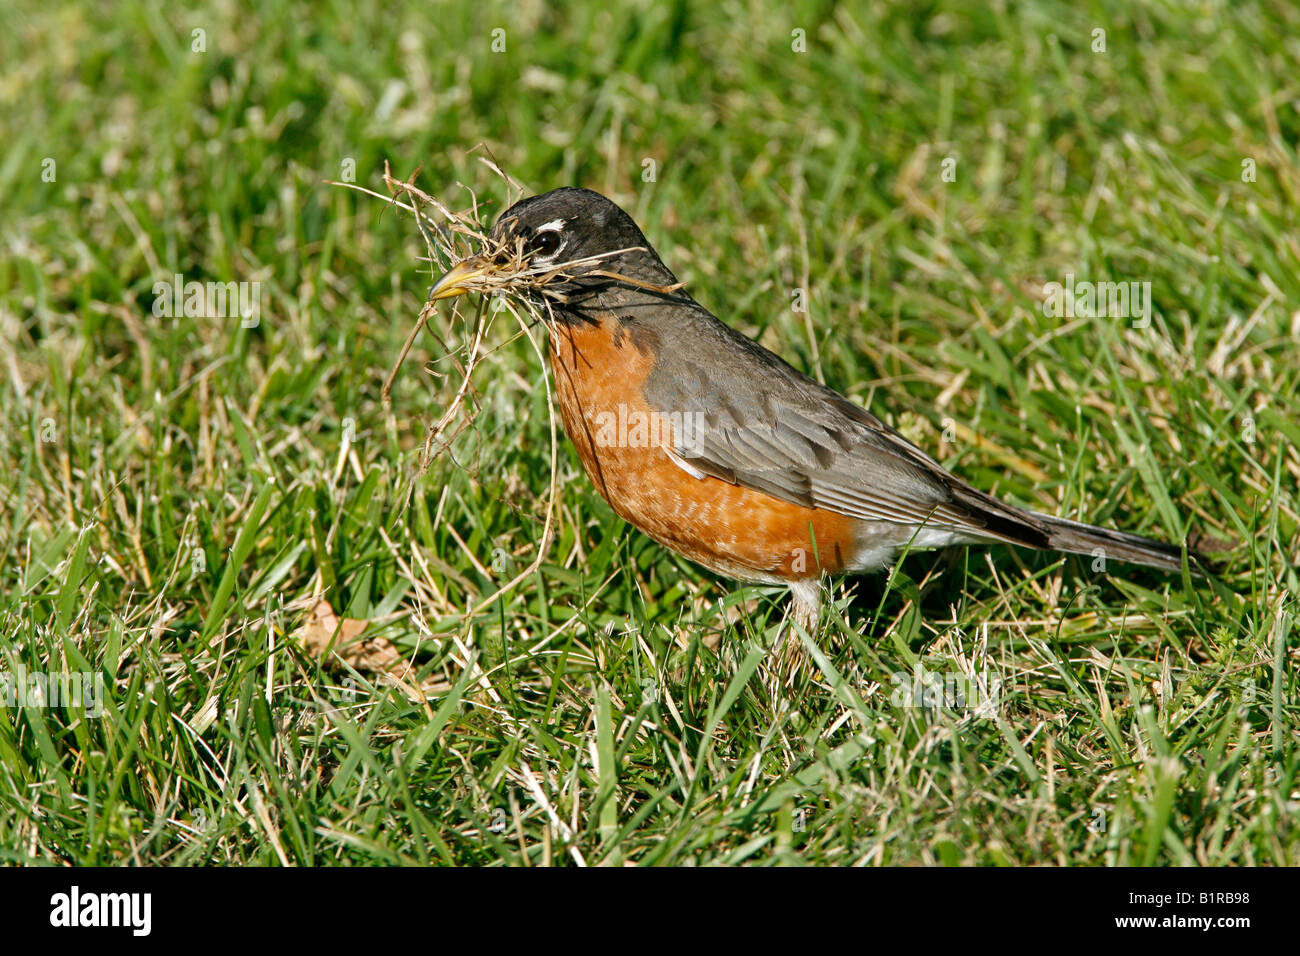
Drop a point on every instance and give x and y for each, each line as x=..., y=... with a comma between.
x=327, y=633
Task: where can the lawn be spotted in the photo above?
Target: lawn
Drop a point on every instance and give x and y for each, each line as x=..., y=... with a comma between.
x=192, y=499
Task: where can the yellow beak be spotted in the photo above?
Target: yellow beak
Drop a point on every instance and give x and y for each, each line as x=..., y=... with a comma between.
x=452, y=284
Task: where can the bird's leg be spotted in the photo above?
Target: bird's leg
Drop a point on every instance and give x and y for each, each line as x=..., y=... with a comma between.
x=790, y=658
x=807, y=604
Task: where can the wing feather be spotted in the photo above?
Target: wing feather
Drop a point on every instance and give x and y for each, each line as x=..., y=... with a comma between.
x=797, y=440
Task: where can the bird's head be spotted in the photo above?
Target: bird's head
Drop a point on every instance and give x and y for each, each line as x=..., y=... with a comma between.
x=560, y=248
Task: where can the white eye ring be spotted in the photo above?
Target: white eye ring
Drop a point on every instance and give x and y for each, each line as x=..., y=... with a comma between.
x=555, y=225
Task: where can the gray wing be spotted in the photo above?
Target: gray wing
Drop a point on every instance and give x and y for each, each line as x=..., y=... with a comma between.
x=750, y=419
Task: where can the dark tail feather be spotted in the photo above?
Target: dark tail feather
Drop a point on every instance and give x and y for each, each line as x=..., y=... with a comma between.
x=1035, y=530
x=1077, y=538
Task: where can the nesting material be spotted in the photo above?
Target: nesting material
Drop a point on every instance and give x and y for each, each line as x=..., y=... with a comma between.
x=451, y=238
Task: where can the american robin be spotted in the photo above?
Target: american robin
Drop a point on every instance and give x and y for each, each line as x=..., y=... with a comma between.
x=717, y=448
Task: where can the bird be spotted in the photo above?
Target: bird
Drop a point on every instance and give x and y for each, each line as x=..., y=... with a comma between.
x=716, y=447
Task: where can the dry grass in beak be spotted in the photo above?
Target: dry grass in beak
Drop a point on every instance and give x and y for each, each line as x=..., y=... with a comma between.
x=503, y=268
x=452, y=238
x=472, y=261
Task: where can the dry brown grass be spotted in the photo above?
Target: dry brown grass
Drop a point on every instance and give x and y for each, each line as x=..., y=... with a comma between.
x=450, y=237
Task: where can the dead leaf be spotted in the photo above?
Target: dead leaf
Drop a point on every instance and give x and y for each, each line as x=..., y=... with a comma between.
x=327, y=635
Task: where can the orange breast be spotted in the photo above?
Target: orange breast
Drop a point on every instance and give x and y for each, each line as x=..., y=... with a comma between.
x=600, y=375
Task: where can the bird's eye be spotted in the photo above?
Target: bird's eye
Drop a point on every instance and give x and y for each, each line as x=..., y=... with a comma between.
x=546, y=244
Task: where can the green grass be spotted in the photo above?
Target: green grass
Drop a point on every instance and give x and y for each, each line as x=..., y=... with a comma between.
x=176, y=494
